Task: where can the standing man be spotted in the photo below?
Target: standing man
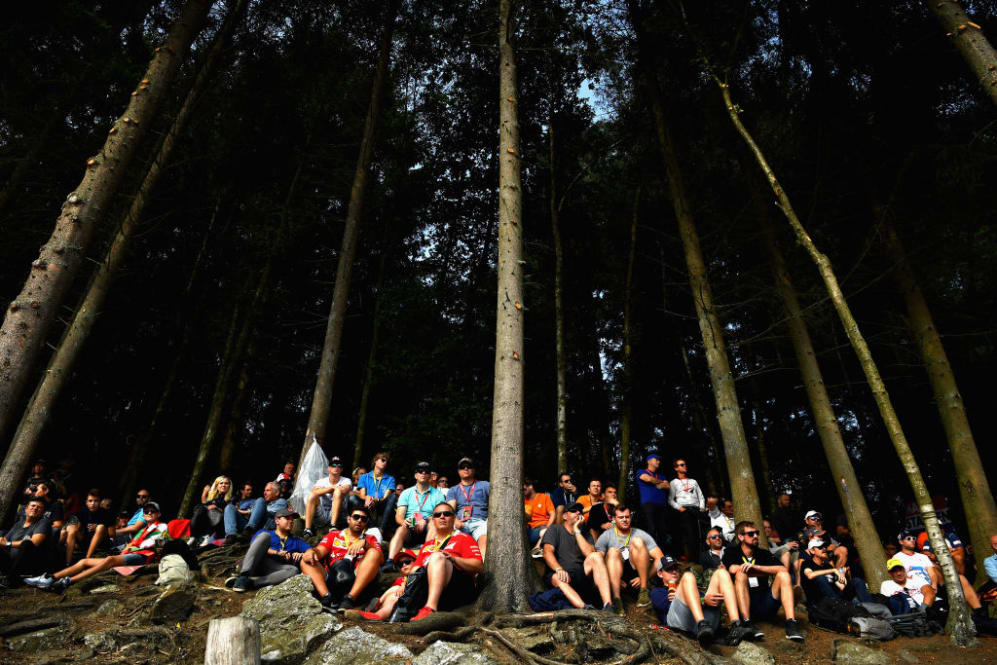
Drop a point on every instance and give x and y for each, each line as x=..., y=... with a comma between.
x=377, y=489
x=563, y=496
x=761, y=582
x=93, y=525
x=654, y=498
x=413, y=514
x=326, y=498
x=685, y=497
x=539, y=515
x=631, y=555
x=574, y=565
x=272, y=557
x=470, y=499
x=351, y=544
x=784, y=519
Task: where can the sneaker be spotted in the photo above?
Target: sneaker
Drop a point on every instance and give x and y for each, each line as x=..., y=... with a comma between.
x=307, y=533
x=327, y=600
x=231, y=580
x=753, y=632
x=588, y=606
x=704, y=633
x=207, y=540
x=423, y=613
x=347, y=603
x=608, y=607
x=644, y=597
x=242, y=584
x=738, y=631
x=618, y=606
x=42, y=581
x=63, y=583
x=793, y=631
x=369, y=616
x=537, y=553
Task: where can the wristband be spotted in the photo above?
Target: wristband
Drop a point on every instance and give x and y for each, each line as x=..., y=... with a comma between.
x=558, y=569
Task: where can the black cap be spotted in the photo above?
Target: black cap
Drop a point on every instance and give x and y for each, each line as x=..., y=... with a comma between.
x=151, y=507
x=422, y=466
x=286, y=512
x=466, y=460
x=666, y=562
x=335, y=461
x=575, y=508
x=904, y=534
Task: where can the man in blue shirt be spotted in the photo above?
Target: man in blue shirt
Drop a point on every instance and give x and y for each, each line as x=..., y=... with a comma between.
x=272, y=557
x=988, y=591
x=377, y=489
x=412, y=515
x=470, y=499
x=123, y=535
x=565, y=495
x=653, y=488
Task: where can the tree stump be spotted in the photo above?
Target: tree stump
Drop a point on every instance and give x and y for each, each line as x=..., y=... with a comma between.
x=233, y=641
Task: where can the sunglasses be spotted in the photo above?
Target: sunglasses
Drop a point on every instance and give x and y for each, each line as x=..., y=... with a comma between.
x=360, y=518
x=750, y=534
x=443, y=514
x=717, y=537
x=680, y=464
x=814, y=517
x=908, y=538
x=422, y=470
x=465, y=466
x=141, y=496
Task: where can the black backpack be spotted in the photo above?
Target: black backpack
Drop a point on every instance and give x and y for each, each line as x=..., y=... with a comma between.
x=835, y=614
x=914, y=623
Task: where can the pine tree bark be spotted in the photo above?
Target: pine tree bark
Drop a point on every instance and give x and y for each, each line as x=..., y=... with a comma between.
x=30, y=316
x=560, y=361
x=960, y=625
x=825, y=421
x=322, y=397
x=626, y=414
x=512, y=577
x=40, y=407
x=968, y=37
x=974, y=489
x=369, y=373
x=234, y=421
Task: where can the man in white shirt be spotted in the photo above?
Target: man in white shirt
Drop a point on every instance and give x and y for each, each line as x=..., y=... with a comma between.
x=326, y=498
x=722, y=517
x=685, y=497
x=921, y=569
x=905, y=593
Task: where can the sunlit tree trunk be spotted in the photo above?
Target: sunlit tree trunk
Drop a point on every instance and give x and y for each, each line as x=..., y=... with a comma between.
x=626, y=412
x=560, y=362
x=512, y=577
x=960, y=625
x=322, y=397
x=968, y=37
x=977, y=500
x=40, y=407
x=29, y=318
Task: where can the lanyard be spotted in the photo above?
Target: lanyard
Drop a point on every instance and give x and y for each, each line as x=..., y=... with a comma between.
x=424, y=497
x=626, y=542
x=468, y=495
x=438, y=545
x=283, y=543
x=377, y=485
x=748, y=561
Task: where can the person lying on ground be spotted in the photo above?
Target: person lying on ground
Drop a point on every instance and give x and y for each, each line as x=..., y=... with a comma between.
x=262, y=513
x=820, y=579
x=93, y=525
x=681, y=605
x=813, y=527
x=356, y=550
x=21, y=550
x=540, y=515
x=404, y=561
x=469, y=498
x=141, y=550
x=124, y=534
x=207, y=520
x=377, y=490
x=600, y=517
x=413, y=514
x=761, y=582
x=573, y=565
x=326, y=499
x=272, y=557
x=631, y=555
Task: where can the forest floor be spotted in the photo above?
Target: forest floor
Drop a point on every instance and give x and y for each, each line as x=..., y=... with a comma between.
x=114, y=619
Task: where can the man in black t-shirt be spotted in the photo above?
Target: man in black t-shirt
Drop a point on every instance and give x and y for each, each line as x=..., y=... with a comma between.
x=53, y=507
x=572, y=560
x=820, y=578
x=20, y=546
x=760, y=581
x=92, y=525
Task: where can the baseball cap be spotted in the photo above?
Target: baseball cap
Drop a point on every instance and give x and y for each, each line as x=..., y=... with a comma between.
x=816, y=542
x=405, y=554
x=893, y=563
x=421, y=466
x=335, y=461
x=652, y=456
x=906, y=533
x=575, y=508
x=151, y=507
x=286, y=512
x=466, y=460
x=812, y=513
x=666, y=562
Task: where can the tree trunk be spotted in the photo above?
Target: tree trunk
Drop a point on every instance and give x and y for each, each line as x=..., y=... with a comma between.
x=227, y=456
x=30, y=316
x=968, y=37
x=39, y=409
x=233, y=641
x=960, y=625
x=560, y=362
x=857, y=513
x=512, y=574
x=368, y=379
x=977, y=500
x=322, y=398
x=626, y=413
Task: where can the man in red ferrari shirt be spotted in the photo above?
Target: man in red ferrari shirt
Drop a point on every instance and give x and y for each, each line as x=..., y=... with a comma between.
x=353, y=544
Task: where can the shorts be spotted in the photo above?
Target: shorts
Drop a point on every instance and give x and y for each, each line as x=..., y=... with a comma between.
x=134, y=559
x=762, y=604
x=461, y=591
x=579, y=582
x=476, y=527
x=680, y=617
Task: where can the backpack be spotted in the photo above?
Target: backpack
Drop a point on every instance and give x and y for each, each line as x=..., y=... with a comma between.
x=173, y=570
x=413, y=597
x=873, y=628
x=911, y=624
x=549, y=600
x=834, y=614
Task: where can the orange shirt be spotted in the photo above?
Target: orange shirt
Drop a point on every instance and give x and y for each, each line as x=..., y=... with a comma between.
x=587, y=502
x=538, y=510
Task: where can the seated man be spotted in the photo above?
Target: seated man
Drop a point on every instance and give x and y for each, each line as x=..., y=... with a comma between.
x=386, y=603
x=713, y=556
x=540, y=515
x=261, y=513
x=571, y=560
x=630, y=554
x=905, y=593
x=989, y=588
x=376, y=488
x=123, y=535
x=350, y=544
x=563, y=495
x=593, y=497
x=722, y=517
x=924, y=571
x=20, y=546
x=92, y=525
x=142, y=548
x=452, y=562
x=469, y=498
x=758, y=596
x=326, y=499
x=680, y=604
x=813, y=527
x=272, y=557
x=45, y=490
x=786, y=551
x=600, y=517
x=956, y=548
x=286, y=474
x=412, y=514
x=820, y=579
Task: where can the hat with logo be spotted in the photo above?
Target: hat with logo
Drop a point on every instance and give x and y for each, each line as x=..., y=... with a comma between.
x=894, y=563
x=666, y=562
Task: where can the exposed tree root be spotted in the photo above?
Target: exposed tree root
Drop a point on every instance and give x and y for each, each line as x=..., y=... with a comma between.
x=437, y=621
x=526, y=655
x=455, y=636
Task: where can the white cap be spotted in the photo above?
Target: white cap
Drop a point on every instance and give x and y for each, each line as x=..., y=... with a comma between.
x=816, y=542
x=811, y=513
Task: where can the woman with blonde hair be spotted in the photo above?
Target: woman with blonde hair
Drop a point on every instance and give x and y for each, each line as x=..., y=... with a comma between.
x=207, y=521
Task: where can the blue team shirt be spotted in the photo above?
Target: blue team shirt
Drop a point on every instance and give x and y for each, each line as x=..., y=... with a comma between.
x=474, y=497
x=420, y=504
x=375, y=488
x=137, y=517
x=648, y=492
x=990, y=565
x=292, y=544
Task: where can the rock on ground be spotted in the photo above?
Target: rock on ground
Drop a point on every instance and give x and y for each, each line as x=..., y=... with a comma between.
x=454, y=653
x=173, y=605
x=751, y=654
x=354, y=646
x=115, y=638
x=847, y=652
x=40, y=639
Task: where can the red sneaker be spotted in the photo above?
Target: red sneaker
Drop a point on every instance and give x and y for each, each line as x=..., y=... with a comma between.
x=370, y=616
x=423, y=613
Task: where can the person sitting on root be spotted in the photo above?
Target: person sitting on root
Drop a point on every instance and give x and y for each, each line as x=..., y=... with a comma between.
x=377, y=490
x=681, y=605
x=207, y=521
x=631, y=555
x=412, y=515
x=272, y=557
x=572, y=560
x=904, y=592
x=813, y=527
x=329, y=563
x=93, y=525
x=142, y=549
x=327, y=499
x=21, y=545
x=761, y=582
x=386, y=603
x=820, y=579
x=540, y=515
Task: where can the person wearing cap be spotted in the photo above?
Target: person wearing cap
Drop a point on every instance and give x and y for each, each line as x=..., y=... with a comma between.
x=574, y=565
x=413, y=514
x=687, y=500
x=377, y=490
x=630, y=555
x=386, y=603
x=469, y=498
x=820, y=579
x=813, y=527
x=904, y=592
x=681, y=605
x=563, y=495
x=761, y=582
x=653, y=487
x=124, y=534
x=539, y=515
x=349, y=544
x=956, y=549
x=326, y=498
x=262, y=513
x=272, y=557
x=923, y=571
x=142, y=549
